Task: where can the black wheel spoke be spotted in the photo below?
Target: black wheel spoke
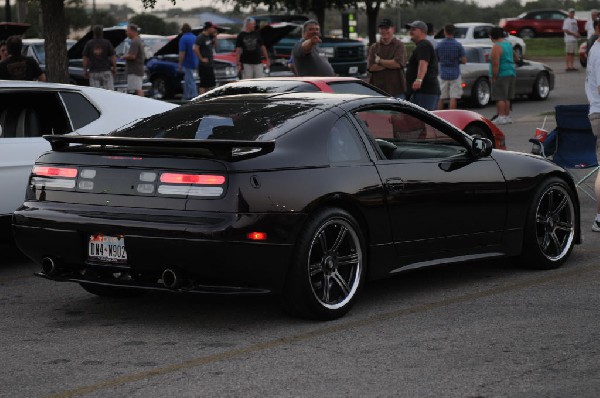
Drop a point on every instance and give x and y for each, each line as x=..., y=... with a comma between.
x=350, y=259
x=339, y=239
x=341, y=282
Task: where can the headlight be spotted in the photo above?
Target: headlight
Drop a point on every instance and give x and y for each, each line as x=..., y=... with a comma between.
x=231, y=71
x=328, y=52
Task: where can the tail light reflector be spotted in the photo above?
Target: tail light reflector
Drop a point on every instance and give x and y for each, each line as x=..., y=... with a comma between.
x=45, y=171
x=199, y=185
x=257, y=235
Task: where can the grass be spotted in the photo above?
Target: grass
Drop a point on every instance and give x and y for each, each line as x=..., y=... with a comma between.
x=546, y=47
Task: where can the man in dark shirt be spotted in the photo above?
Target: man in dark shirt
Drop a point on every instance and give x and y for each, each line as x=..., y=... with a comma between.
x=307, y=60
x=134, y=61
x=17, y=66
x=99, y=61
x=203, y=48
x=422, y=70
x=249, y=50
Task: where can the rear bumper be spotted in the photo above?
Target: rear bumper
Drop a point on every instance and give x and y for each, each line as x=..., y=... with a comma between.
x=206, y=249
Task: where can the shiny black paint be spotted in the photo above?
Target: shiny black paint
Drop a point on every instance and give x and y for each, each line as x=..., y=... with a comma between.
x=411, y=212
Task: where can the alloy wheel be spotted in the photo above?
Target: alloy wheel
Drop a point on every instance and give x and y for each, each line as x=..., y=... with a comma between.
x=555, y=223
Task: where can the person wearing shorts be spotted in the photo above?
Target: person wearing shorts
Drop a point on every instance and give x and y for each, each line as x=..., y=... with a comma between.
x=450, y=55
x=134, y=61
x=592, y=91
x=502, y=74
x=571, y=31
x=203, y=48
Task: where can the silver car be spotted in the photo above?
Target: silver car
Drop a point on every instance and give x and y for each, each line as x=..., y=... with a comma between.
x=534, y=79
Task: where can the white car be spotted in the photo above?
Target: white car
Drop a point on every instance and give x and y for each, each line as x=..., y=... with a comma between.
x=479, y=33
x=29, y=110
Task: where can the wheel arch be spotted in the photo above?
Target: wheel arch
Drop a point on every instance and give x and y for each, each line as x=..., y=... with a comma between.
x=483, y=126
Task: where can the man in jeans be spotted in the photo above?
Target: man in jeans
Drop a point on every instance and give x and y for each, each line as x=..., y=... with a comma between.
x=422, y=69
x=99, y=61
x=450, y=55
x=188, y=61
x=135, y=58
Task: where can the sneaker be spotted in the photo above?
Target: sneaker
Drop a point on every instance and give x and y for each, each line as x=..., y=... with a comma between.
x=507, y=120
x=500, y=120
x=596, y=226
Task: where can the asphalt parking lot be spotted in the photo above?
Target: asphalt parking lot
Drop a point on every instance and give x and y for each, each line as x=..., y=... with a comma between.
x=484, y=329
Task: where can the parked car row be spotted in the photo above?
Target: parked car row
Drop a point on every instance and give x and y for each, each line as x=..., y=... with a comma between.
x=539, y=23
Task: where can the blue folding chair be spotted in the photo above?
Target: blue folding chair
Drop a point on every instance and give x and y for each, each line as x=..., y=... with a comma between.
x=572, y=144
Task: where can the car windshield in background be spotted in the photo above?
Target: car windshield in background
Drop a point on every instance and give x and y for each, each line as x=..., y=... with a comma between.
x=256, y=87
x=223, y=121
x=225, y=45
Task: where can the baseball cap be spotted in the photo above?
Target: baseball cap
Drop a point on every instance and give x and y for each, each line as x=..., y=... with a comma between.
x=209, y=24
x=571, y=10
x=385, y=23
x=417, y=25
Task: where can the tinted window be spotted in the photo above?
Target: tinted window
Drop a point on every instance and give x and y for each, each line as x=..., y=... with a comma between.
x=353, y=88
x=482, y=32
x=344, y=144
x=32, y=114
x=273, y=86
x=256, y=121
x=404, y=136
x=80, y=110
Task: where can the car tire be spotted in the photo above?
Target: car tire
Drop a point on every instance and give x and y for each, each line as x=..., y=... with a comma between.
x=526, y=33
x=161, y=88
x=475, y=130
x=551, y=226
x=328, y=268
x=111, y=291
x=482, y=93
x=541, y=87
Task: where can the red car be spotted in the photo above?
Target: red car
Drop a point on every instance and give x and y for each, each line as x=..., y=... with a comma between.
x=536, y=23
x=470, y=122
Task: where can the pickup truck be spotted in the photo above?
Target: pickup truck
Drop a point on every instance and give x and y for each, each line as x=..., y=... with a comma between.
x=347, y=57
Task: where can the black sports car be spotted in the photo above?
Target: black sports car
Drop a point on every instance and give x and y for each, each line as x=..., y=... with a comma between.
x=303, y=194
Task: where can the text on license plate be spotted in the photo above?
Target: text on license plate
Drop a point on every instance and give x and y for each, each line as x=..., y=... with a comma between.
x=107, y=248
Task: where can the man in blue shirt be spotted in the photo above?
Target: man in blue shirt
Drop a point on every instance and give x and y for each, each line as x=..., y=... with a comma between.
x=188, y=61
x=450, y=55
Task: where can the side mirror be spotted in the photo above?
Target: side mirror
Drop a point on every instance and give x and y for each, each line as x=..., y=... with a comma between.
x=481, y=147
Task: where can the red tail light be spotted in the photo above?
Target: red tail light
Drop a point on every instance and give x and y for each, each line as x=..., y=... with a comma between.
x=46, y=171
x=196, y=179
x=257, y=235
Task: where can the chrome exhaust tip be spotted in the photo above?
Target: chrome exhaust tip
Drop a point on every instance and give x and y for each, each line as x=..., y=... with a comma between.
x=49, y=266
x=172, y=279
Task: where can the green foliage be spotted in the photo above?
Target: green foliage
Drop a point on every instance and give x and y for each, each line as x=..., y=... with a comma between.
x=153, y=25
x=152, y=3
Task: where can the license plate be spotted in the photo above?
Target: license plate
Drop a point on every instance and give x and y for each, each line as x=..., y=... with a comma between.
x=352, y=70
x=107, y=249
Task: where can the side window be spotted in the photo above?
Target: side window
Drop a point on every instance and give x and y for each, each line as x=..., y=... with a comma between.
x=481, y=33
x=401, y=135
x=344, y=144
x=81, y=111
x=31, y=114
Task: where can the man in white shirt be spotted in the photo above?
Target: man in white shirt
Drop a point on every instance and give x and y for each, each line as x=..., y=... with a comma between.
x=571, y=31
x=589, y=25
x=592, y=91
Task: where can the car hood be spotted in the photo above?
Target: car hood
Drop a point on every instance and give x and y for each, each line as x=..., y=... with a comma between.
x=114, y=35
x=8, y=29
x=270, y=34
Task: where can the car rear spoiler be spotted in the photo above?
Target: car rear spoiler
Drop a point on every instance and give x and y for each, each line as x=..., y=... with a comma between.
x=228, y=149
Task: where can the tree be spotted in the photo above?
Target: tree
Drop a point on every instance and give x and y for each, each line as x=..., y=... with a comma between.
x=153, y=25
x=55, y=34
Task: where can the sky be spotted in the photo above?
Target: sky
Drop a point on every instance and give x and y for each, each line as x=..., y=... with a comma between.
x=186, y=4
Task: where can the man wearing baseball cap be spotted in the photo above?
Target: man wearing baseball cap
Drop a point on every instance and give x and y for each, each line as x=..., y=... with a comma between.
x=204, y=48
x=423, y=87
x=386, y=61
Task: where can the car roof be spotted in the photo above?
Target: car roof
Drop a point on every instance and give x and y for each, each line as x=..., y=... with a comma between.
x=469, y=24
x=306, y=79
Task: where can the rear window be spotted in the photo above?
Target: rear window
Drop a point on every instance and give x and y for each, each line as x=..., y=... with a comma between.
x=354, y=88
x=278, y=86
x=257, y=121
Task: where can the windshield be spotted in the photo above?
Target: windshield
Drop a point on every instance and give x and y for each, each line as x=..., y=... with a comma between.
x=255, y=121
x=225, y=45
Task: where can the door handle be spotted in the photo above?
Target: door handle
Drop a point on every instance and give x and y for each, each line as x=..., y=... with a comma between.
x=394, y=184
